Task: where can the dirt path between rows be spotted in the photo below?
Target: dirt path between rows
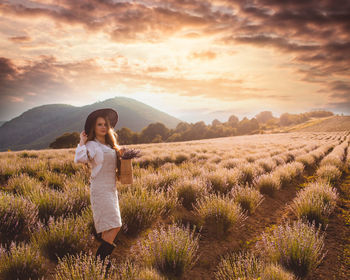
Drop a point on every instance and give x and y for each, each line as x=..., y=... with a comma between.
x=273, y=210
x=336, y=264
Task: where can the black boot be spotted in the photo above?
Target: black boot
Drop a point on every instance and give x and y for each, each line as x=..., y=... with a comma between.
x=105, y=250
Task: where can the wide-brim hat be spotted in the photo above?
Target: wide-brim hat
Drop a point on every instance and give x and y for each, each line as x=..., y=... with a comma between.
x=111, y=114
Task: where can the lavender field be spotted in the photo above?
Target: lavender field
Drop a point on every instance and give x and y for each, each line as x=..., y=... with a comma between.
x=244, y=207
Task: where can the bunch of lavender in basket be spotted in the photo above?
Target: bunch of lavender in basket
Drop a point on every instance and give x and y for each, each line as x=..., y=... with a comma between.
x=130, y=153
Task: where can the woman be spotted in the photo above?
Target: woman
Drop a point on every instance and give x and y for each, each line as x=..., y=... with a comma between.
x=98, y=145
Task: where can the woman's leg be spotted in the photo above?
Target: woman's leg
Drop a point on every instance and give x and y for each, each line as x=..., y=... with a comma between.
x=109, y=235
x=107, y=246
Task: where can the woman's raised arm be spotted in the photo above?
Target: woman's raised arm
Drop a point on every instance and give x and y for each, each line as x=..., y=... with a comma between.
x=85, y=151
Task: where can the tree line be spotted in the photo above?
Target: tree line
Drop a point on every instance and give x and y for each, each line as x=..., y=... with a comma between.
x=158, y=132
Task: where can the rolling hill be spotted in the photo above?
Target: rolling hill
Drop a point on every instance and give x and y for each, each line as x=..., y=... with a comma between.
x=39, y=126
x=334, y=123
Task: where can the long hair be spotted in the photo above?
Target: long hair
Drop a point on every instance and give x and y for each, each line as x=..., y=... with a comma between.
x=111, y=136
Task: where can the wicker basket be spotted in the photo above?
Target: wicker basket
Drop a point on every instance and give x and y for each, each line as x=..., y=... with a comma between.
x=125, y=176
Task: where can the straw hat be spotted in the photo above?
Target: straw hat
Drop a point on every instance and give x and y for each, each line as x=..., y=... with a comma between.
x=111, y=114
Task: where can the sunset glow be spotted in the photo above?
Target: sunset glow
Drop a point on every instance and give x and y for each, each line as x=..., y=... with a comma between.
x=196, y=60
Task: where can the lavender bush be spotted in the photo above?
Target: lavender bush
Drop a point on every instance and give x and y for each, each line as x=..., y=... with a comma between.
x=52, y=179
x=231, y=163
x=189, y=190
x=149, y=273
x=139, y=208
x=31, y=167
x=276, y=272
x=315, y=202
x=217, y=181
x=7, y=170
x=171, y=250
x=28, y=155
x=82, y=266
x=288, y=172
x=248, y=198
x=79, y=194
x=297, y=247
x=63, y=167
x=308, y=160
x=23, y=184
x=267, y=164
x=329, y=173
x=278, y=160
x=248, y=172
x=23, y=261
x=267, y=183
x=162, y=180
x=51, y=203
x=18, y=218
x=129, y=269
x=180, y=158
x=62, y=237
x=218, y=213
x=236, y=266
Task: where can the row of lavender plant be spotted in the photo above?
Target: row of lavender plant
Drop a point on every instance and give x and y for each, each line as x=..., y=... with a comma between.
x=294, y=249
x=166, y=247
x=49, y=238
x=285, y=174
x=210, y=207
x=222, y=211
x=157, y=160
x=163, y=249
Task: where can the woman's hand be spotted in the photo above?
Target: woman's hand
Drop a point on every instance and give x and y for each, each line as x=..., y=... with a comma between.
x=83, y=138
x=121, y=151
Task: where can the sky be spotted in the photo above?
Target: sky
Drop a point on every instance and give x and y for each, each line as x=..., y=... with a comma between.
x=195, y=60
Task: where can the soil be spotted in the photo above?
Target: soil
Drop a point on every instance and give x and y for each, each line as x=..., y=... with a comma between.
x=336, y=264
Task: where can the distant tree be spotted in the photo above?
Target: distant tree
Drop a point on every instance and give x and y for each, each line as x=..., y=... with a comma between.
x=136, y=138
x=197, y=131
x=174, y=137
x=233, y=121
x=246, y=126
x=157, y=139
x=215, y=122
x=289, y=119
x=67, y=140
x=182, y=127
x=125, y=136
x=264, y=117
x=285, y=119
x=148, y=133
x=320, y=114
x=273, y=122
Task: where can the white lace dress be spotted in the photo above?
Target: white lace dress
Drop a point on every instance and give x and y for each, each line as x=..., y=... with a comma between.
x=104, y=194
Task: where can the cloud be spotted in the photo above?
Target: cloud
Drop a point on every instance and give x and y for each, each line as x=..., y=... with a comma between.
x=204, y=55
x=20, y=39
x=16, y=99
x=340, y=91
x=49, y=80
x=312, y=34
x=18, y=84
x=156, y=69
x=126, y=22
x=277, y=42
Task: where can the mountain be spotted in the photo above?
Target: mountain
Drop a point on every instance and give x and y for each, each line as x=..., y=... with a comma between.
x=2, y=122
x=39, y=126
